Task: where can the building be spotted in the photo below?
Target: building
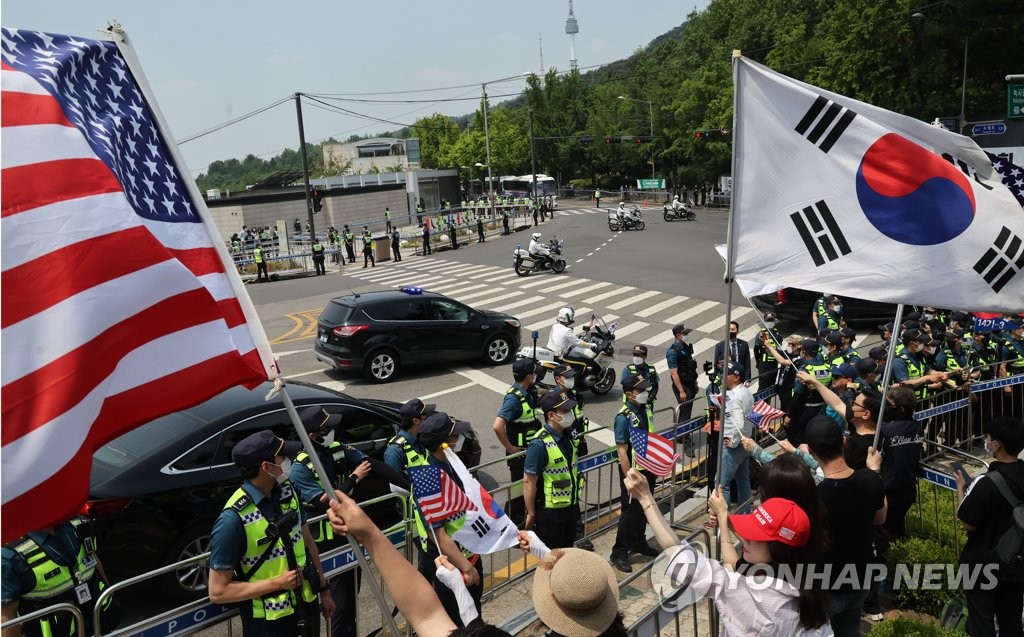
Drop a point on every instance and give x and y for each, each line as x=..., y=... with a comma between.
x=379, y=154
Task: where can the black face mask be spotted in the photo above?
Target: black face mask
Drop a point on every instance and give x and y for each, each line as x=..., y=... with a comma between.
x=849, y=413
x=732, y=336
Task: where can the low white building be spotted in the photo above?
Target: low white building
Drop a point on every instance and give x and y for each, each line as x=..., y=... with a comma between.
x=379, y=154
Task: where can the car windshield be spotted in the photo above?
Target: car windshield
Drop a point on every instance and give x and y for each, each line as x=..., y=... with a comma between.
x=140, y=441
x=336, y=313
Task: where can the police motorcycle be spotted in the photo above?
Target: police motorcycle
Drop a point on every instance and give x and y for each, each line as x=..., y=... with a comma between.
x=684, y=211
x=630, y=220
x=592, y=359
x=525, y=263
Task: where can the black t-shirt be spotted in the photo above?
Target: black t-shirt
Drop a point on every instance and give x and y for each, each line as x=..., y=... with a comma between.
x=851, y=504
x=901, y=453
x=985, y=508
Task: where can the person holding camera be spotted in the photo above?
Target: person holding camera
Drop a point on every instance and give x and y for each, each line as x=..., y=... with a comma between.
x=262, y=555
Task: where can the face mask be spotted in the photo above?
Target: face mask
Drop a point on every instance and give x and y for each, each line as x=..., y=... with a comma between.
x=286, y=469
x=637, y=360
x=329, y=438
x=769, y=325
x=557, y=419
x=569, y=383
x=928, y=316
x=733, y=335
x=930, y=350
x=839, y=309
x=642, y=397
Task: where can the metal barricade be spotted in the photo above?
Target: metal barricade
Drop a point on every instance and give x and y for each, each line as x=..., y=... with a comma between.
x=64, y=607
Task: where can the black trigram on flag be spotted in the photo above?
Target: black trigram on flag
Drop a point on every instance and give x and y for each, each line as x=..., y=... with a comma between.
x=834, y=120
x=820, y=233
x=480, y=527
x=1001, y=262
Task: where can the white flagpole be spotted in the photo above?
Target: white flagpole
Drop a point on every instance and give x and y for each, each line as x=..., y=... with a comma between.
x=252, y=320
x=887, y=373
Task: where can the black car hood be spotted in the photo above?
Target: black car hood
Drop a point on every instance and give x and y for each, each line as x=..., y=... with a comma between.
x=491, y=314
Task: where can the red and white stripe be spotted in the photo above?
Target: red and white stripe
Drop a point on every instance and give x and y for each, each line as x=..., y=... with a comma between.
x=450, y=501
x=769, y=415
x=108, y=320
x=660, y=457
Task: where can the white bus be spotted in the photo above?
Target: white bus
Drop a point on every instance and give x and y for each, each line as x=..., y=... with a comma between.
x=521, y=186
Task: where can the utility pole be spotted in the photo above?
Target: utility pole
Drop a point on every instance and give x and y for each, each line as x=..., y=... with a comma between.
x=305, y=169
x=533, y=162
x=487, y=142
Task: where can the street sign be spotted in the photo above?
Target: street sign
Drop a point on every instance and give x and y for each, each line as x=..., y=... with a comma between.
x=950, y=123
x=648, y=184
x=988, y=128
x=1015, y=101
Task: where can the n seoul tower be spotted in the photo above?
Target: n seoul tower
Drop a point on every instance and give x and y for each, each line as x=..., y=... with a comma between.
x=571, y=29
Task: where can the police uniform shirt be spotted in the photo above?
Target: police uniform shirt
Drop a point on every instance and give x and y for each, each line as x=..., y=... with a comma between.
x=310, y=489
x=511, y=408
x=18, y=580
x=900, y=372
x=537, y=456
x=227, y=540
x=394, y=456
x=798, y=387
x=622, y=422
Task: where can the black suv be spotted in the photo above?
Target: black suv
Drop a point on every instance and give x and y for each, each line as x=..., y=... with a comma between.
x=379, y=332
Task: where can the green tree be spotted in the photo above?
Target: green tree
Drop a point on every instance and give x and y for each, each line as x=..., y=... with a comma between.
x=437, y=133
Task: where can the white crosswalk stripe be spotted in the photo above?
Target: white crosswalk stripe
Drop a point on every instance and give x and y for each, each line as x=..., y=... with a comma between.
x=584, y=290
x=541, y=309
x=560, y=286
x=629, y=328
x=488, y=270
x=664, y=305
x=703, y=306
x=456, y=287
x=635, y=298
x=484, y=295
x=520, y=303
x=622, y=289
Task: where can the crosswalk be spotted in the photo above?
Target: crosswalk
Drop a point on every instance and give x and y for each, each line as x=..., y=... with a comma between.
x=643, y=316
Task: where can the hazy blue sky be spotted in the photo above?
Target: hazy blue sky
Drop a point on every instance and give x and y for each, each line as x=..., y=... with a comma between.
x=211, y=61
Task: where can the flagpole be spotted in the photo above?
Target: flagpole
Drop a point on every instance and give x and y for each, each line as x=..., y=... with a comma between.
x=252, y=319
x=729, y=261
x=887, y=373
x=325, y=481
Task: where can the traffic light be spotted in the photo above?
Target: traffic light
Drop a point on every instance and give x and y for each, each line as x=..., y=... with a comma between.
x=318, y=200
x=612, y=140
x=641, y=140
x=711, y=133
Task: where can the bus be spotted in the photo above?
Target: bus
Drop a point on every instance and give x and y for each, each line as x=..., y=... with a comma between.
x=520, y=186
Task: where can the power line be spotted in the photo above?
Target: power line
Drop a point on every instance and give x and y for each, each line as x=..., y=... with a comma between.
x=236, y=120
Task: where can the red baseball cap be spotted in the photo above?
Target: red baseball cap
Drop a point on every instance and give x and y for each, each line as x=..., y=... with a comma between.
x=778, y=520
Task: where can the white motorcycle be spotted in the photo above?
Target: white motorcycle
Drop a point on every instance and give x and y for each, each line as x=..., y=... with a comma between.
x=592, y=359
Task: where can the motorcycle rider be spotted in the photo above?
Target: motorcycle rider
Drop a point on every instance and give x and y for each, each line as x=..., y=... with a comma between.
x=676, y=204
x=621, y=212
x=561, y=339
x=539, y=251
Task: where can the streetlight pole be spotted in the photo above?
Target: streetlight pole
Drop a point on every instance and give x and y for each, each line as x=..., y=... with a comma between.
x=487, y=143
x=963, y=91
x=650, y=110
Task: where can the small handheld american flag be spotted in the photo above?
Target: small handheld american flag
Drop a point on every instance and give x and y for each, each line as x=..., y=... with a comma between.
x=653, y=452
x=438, y=496
x=764, y=415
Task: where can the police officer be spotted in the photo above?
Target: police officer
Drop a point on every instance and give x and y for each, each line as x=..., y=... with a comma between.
x=552, y=483
x=319, y=256
x=635, y=414
x=638, y=366
x=807, y=402
x=868, y=374
x=261, y=264
x=832, y=318
x=387, y=220
x=517, y=421
x=396, y=244
x=683, y=370
x=565, y=379
x=350, y=244
x=426, y=238
x=850, y=355
x=834, y=349
x=764, y=361
x=334, y=238
x=1013, y=354
x=480, y=229
x=909, y=368
x=436, y=431
x=419, y=214
x=368, y=248
x=52, y=566
x=262, y=556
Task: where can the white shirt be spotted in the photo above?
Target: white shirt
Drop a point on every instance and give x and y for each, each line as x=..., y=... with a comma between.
x=561, y=339
x=747, y=605
x=538, y=248
x=738, y=403
x=676, y=204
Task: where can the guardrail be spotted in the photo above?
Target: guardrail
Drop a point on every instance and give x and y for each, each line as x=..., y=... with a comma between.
x=75, y=612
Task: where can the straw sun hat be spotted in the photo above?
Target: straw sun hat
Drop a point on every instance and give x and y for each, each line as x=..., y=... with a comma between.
x=575, y=593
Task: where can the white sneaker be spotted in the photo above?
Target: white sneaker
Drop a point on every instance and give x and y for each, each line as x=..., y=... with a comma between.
x=875, y=617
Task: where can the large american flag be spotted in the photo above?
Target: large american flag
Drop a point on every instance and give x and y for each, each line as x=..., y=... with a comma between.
x=117, y=304
x=764, y=415
x=438, y=496
x=652, y=452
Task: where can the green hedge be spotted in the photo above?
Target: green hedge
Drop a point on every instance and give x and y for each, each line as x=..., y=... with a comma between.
x=908, y=627
x=917, y=551
x=922, y=522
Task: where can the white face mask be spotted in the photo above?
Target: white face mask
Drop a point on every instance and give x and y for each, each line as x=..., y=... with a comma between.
x=769, y=325
x=286, y=469
x=329, y=438
x=569, y=383
x=637, y=360
x=642, y=397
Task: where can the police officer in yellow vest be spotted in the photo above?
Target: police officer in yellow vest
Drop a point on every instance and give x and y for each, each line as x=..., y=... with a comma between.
x=368, y=248
x=517, y=421
x=437, y=430
x=261, y=264
x=806, y=402
x=1013, y=355
x=552, y=483
x=403, y=451
x=636, y=413
x=565, y=379
x=909, y=368
x=52, y=566
x=639, y=366
x=319, y=257
x=262, y=555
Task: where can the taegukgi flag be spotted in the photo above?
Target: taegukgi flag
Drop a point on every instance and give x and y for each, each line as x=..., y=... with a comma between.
x=487, y=529
x=876, y=204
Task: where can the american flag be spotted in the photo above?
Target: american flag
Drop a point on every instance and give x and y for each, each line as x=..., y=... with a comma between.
x=653, y=452
x=117, y=304
x=1011, y=175
x=764, y=415
x=438, y=496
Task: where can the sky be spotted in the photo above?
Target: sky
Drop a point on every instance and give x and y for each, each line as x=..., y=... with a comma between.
x=212, y=61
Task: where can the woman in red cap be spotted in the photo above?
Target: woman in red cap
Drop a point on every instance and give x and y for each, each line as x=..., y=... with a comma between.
x=771, y=593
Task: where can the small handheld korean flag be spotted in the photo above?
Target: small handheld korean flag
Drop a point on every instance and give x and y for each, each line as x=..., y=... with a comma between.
x=487, y=528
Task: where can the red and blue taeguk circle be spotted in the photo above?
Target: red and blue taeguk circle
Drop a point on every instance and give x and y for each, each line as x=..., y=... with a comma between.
x=912, y=195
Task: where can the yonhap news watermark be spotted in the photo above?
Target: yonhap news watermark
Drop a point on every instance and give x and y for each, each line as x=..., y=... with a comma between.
x=684, y=576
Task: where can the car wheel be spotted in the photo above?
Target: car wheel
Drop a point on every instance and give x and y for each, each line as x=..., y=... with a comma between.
x=189, y=582
x=639, y=224
x=606, y=383
x=499, y=350
x=381, y=366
